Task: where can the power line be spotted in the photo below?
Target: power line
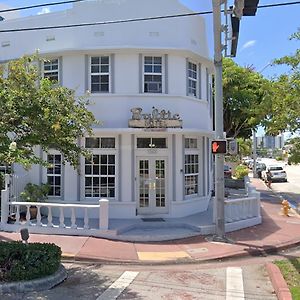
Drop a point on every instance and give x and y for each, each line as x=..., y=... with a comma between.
x=38, y=5
x=131, y=20
x=106, y=22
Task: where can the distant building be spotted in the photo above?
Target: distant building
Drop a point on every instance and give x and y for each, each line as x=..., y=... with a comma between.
x=270, y=142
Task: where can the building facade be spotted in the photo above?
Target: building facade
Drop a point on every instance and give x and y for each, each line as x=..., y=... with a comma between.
x=150, y=85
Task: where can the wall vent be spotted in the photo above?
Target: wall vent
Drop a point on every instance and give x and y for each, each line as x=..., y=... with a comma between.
x=99, y=33
x=50, y=38
x=5, y=44
x=153, y=33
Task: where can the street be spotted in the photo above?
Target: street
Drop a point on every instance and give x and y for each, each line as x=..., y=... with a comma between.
x=290, y=190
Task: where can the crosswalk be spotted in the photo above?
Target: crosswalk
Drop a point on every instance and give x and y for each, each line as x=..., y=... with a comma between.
x=234, y=285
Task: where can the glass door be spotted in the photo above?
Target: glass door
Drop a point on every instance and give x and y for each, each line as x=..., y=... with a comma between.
x=152, y=185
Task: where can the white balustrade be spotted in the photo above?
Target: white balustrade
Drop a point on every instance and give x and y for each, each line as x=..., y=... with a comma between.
x=241, y=209
x=24, y=208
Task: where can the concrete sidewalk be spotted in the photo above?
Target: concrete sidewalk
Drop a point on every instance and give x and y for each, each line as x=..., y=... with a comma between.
x=275, y=233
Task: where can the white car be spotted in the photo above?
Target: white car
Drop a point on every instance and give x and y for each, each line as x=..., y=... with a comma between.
x=277, y=173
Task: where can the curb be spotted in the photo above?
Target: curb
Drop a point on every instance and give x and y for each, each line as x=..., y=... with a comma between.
x=279, y=284
x=40, y=284
x=259, y=251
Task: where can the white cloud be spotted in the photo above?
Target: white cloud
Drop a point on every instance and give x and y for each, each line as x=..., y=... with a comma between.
x=45, y=10
x=249, y=44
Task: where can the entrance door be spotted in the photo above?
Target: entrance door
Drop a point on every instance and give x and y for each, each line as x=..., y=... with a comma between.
x=152, y=185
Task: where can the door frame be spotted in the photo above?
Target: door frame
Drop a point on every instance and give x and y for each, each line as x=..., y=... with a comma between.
x=152, y=209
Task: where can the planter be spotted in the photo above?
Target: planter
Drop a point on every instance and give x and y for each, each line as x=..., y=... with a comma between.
x=234, y=183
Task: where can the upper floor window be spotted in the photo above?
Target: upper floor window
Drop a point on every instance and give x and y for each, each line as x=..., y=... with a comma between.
x=152, y=143
x=100, y=142
x=192, y=79
x=152, y=74
x=99, y=82
x=191, y=143
x=51, y=69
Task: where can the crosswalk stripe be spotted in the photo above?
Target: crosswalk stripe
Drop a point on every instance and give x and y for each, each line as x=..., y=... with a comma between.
x=115, y=289
x=234, y=284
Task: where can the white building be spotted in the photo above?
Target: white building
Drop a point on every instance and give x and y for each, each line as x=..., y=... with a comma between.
x=150, y=85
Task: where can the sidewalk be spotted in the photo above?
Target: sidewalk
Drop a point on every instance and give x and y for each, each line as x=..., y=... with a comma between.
x=276, y=232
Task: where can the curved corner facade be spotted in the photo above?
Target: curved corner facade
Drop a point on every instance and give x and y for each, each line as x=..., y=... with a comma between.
x=150, y=85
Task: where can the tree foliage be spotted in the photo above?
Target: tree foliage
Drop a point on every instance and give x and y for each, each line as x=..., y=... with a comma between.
x=285, y=114
x=35, y=111
x=246, y=97
x=294, y=153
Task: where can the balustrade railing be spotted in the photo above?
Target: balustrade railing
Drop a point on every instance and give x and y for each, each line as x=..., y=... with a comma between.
x=23, y=215
x=241, y=209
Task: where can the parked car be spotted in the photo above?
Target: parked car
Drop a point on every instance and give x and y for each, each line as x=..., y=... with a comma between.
x=277, y=173
x=227, y=172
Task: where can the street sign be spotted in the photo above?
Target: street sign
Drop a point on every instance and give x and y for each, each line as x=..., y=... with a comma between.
x=233, y=147
x=219, y=147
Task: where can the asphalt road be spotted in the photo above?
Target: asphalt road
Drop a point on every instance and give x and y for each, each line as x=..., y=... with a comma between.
x=290, y=190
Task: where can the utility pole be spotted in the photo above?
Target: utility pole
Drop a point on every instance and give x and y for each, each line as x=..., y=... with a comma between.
x=241, y=8
x=219, y=158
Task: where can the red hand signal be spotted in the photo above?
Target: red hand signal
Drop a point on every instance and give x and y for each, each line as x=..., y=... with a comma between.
x=215, y=147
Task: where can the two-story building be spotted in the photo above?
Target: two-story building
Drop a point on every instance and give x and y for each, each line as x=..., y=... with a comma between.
x=150, y=85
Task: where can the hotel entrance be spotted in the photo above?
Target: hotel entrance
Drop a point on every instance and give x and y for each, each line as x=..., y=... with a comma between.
x=152, y=185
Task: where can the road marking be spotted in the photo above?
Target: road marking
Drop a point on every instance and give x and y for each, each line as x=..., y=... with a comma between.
x=115, y=289
x=234, y=284
x=153, y=256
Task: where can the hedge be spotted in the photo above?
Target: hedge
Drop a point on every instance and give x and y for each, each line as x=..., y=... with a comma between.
x=19, y=261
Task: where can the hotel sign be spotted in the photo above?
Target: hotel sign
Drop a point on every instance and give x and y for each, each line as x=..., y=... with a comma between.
x=156, y=119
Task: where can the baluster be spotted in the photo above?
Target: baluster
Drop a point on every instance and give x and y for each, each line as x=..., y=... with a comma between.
x=18, y=215
x=49, y=217
x=73, y=219
x=86, y=218
x=27, y=214
x=38, y=216
x=61, y=218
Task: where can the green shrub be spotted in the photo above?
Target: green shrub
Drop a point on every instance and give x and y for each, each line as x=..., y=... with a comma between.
x=279, y=158
x=19, y=261
x=241, y=171
x=35, y=193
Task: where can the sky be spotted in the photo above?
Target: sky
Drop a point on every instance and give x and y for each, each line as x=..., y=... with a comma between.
x=262, y=38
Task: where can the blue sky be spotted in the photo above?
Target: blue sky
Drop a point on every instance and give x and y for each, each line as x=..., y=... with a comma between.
x=262, y=38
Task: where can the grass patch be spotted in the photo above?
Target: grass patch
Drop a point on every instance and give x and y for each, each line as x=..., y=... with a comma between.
x=290, y=270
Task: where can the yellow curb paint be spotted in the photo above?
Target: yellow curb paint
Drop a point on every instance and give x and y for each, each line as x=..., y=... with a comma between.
x=162, y=255
x=68, y=255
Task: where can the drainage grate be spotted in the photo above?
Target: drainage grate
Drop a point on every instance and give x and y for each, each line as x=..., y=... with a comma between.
x=153, y=220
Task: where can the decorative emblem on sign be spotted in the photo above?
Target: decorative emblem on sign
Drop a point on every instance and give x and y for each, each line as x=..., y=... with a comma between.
x=157, y=119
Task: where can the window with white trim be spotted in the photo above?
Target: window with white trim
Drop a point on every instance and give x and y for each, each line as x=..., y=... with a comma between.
x=54, y=172
x=100, y=168
x=100, y=74
x=192, y=79
x=51, y=69
x=191, y=167
x=153, y=79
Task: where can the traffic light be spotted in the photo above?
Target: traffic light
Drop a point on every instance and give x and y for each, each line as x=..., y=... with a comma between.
x=219, y=147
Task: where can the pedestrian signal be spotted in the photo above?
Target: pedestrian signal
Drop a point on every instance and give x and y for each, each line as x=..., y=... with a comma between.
x=218, y=147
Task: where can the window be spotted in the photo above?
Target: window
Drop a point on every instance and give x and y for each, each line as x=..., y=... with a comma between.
x=152, y=74
x=103, y=142
x=51, y=69
x=100, y=176
x=151, y=143
x=191, y=143
x=99, y=74
x=191, y=174
x=192, y=79
x=54, y=174
x=191, y=166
